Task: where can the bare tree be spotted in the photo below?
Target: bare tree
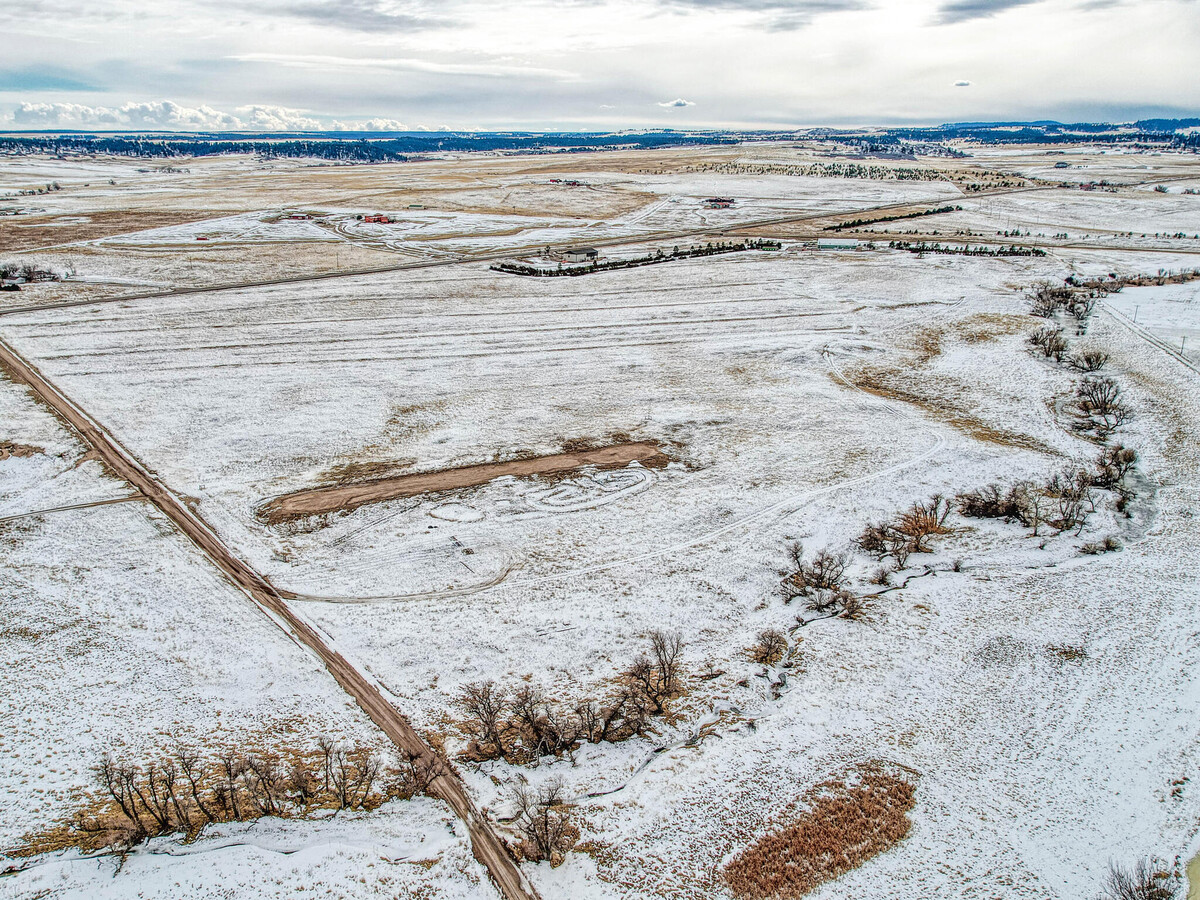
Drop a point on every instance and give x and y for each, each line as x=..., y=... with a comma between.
x=544, y=822
x=487, y=705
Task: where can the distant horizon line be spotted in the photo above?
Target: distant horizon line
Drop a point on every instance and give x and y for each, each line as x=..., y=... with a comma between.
x=1178, y=121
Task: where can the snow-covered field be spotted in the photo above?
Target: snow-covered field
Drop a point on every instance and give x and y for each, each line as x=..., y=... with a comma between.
x=1046, y=698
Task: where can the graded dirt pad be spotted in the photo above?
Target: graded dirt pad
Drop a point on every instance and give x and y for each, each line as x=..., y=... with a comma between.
x=338, y=497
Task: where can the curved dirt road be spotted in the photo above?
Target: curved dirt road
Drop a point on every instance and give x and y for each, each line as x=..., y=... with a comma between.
x=487, y=846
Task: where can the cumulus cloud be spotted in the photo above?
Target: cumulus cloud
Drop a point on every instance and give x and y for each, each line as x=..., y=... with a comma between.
x=164, y=115
x=676, y=104
x=965, y=10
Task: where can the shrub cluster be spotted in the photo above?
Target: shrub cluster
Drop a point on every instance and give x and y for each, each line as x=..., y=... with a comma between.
x=957, y=250
x=908, y=532
x=520, y=725
x=28, y=273
x=1063, y=502
x=710, y=249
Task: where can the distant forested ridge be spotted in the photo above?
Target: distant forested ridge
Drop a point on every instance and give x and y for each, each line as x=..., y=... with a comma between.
x=358, y=147
x=367, y=147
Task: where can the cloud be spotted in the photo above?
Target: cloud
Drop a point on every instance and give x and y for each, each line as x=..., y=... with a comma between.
x=38, y=79
x=361, y=15
x=962, y=84
x=486, y=70
x=164, y=115
x=778, y=15
x=966, y=10
x=676, y=104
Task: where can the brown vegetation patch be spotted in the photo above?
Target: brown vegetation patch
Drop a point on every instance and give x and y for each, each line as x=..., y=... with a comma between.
x=317, y=501
x=28, y=232
x=883, y=383
x=849, y=820
x=9, y=449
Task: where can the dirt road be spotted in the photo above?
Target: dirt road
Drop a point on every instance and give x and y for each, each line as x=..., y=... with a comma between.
x=485, y=843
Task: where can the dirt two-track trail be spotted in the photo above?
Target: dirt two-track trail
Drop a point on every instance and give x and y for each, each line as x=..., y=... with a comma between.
x=486, y=844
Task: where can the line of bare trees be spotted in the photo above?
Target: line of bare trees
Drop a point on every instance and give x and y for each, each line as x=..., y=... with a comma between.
x=182, y=792
x=522, y=724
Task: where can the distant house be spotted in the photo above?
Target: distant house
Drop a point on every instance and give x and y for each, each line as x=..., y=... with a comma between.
x=837, y=244
x=300, y=217
x=377, y=219
x=580, y=254
x=718, y=202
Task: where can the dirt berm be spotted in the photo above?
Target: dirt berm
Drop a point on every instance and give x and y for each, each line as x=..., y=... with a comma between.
x=315, y=501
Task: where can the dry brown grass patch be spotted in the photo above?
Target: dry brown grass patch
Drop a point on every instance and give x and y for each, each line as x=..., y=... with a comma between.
x=884, y=383
x=849, y=820
x=9, y=449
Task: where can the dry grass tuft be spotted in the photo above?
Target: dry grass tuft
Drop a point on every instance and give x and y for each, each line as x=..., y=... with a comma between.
x=850, y=819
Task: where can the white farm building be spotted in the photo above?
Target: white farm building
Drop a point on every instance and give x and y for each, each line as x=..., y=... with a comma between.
x=837, y=244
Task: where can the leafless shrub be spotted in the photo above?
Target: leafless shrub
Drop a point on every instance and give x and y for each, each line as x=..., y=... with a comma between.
x=656, y=677
x=990, y=502
x=1108, y=545
x=854, y=606
x=1090, y=360
x=1074, y=502
x=1100, y=407
x=487, y=705
x=1045, y=299
x=824, y=573
x=544, y=822
x=1050, y=341
x=1147, y=879
x=1113, y=465
x=923, y=520
x=769, y=648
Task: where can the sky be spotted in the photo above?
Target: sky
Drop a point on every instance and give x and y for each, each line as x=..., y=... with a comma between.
x=271, y=65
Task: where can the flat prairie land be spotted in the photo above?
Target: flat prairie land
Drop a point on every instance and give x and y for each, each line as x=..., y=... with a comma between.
x=436, y=432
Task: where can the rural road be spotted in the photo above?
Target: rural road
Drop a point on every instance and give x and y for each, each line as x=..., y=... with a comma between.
x=486, y=844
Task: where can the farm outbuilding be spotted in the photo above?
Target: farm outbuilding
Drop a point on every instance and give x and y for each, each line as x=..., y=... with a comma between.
x=837, y=244
x=581, y=254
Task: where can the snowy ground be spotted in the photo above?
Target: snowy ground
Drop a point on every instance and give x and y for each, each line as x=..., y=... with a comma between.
x=1046, y=698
